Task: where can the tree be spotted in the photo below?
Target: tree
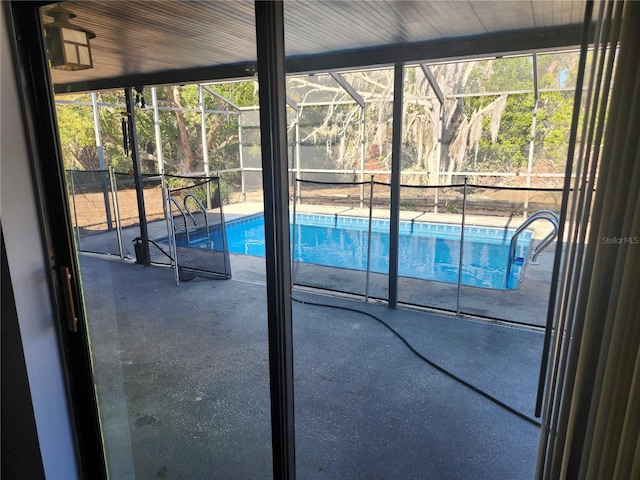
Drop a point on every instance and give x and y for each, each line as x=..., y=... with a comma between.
x=180, y=129
x=77, y=135
x=484, y=127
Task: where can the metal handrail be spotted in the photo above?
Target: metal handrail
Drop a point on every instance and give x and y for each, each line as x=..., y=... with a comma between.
x=539, y=215
x=184, y=217
x=546, y=241
x=204, y=210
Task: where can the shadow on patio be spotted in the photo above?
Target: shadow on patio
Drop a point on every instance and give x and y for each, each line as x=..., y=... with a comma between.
x=183, y=387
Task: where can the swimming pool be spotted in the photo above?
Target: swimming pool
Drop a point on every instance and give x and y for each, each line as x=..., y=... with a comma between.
x=429, y=251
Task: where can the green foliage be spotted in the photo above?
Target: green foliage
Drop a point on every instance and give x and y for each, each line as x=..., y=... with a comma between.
x=503, y=74
x=181, y=131
x=510, y=150
x=242, y=94
x=330, y=135
x=552, y=134
x=77, y=141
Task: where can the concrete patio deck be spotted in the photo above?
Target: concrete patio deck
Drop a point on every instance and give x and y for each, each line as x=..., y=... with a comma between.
x=182, y=381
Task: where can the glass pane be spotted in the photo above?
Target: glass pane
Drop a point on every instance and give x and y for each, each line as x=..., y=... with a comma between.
x=181, y=373
x=75, y=36
x=70, y=53
x=85, y=57
x=340, y=161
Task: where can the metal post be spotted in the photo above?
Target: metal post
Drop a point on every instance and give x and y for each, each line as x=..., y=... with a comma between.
x=293, y=235
x=525, y=212
x=223, y=229
x=116, y=210
x=366, y=291
x=156, y=126
x=166, y=208
x=533, y=134
x=297, y=130
x=139, y=181
x=241, y=154
x=464, y=208
x=75, y=209
x=101, y=164
x=269, y=19
x=439, y=158
x=362, y=153
x=396, y=152
x=205, y=146
x=172, y=239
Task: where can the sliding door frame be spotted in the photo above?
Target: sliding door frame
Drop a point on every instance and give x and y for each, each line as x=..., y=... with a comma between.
x=32, y=75
x=38, y=104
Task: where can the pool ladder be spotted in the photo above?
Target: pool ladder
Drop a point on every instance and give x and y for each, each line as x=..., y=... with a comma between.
x=546, y=241
x=184, y=212
x=202, y=209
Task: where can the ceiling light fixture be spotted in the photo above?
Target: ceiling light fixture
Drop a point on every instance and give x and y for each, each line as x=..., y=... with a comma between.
x=67, y=44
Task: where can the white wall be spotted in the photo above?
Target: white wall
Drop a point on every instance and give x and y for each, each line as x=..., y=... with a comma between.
x=25, y=255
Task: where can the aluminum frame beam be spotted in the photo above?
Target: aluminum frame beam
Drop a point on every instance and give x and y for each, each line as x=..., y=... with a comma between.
x=396, y=153
x=348, y=88
x=137, y=175
x=273, y=133
x=431, y=78
x=292, y=103
x=220, y=97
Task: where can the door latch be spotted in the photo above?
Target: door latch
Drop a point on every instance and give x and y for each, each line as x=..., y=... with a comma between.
x=72, y=319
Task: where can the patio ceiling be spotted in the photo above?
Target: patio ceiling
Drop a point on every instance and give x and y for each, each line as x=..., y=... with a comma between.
x=156, y=42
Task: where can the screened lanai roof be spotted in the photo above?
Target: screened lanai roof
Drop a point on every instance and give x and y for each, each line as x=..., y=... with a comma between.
x=160, y=41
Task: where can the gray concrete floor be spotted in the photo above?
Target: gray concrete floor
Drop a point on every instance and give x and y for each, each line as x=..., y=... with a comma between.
x=182, y=382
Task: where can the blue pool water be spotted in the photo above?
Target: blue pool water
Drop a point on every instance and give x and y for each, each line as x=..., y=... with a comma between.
x=429, y=251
